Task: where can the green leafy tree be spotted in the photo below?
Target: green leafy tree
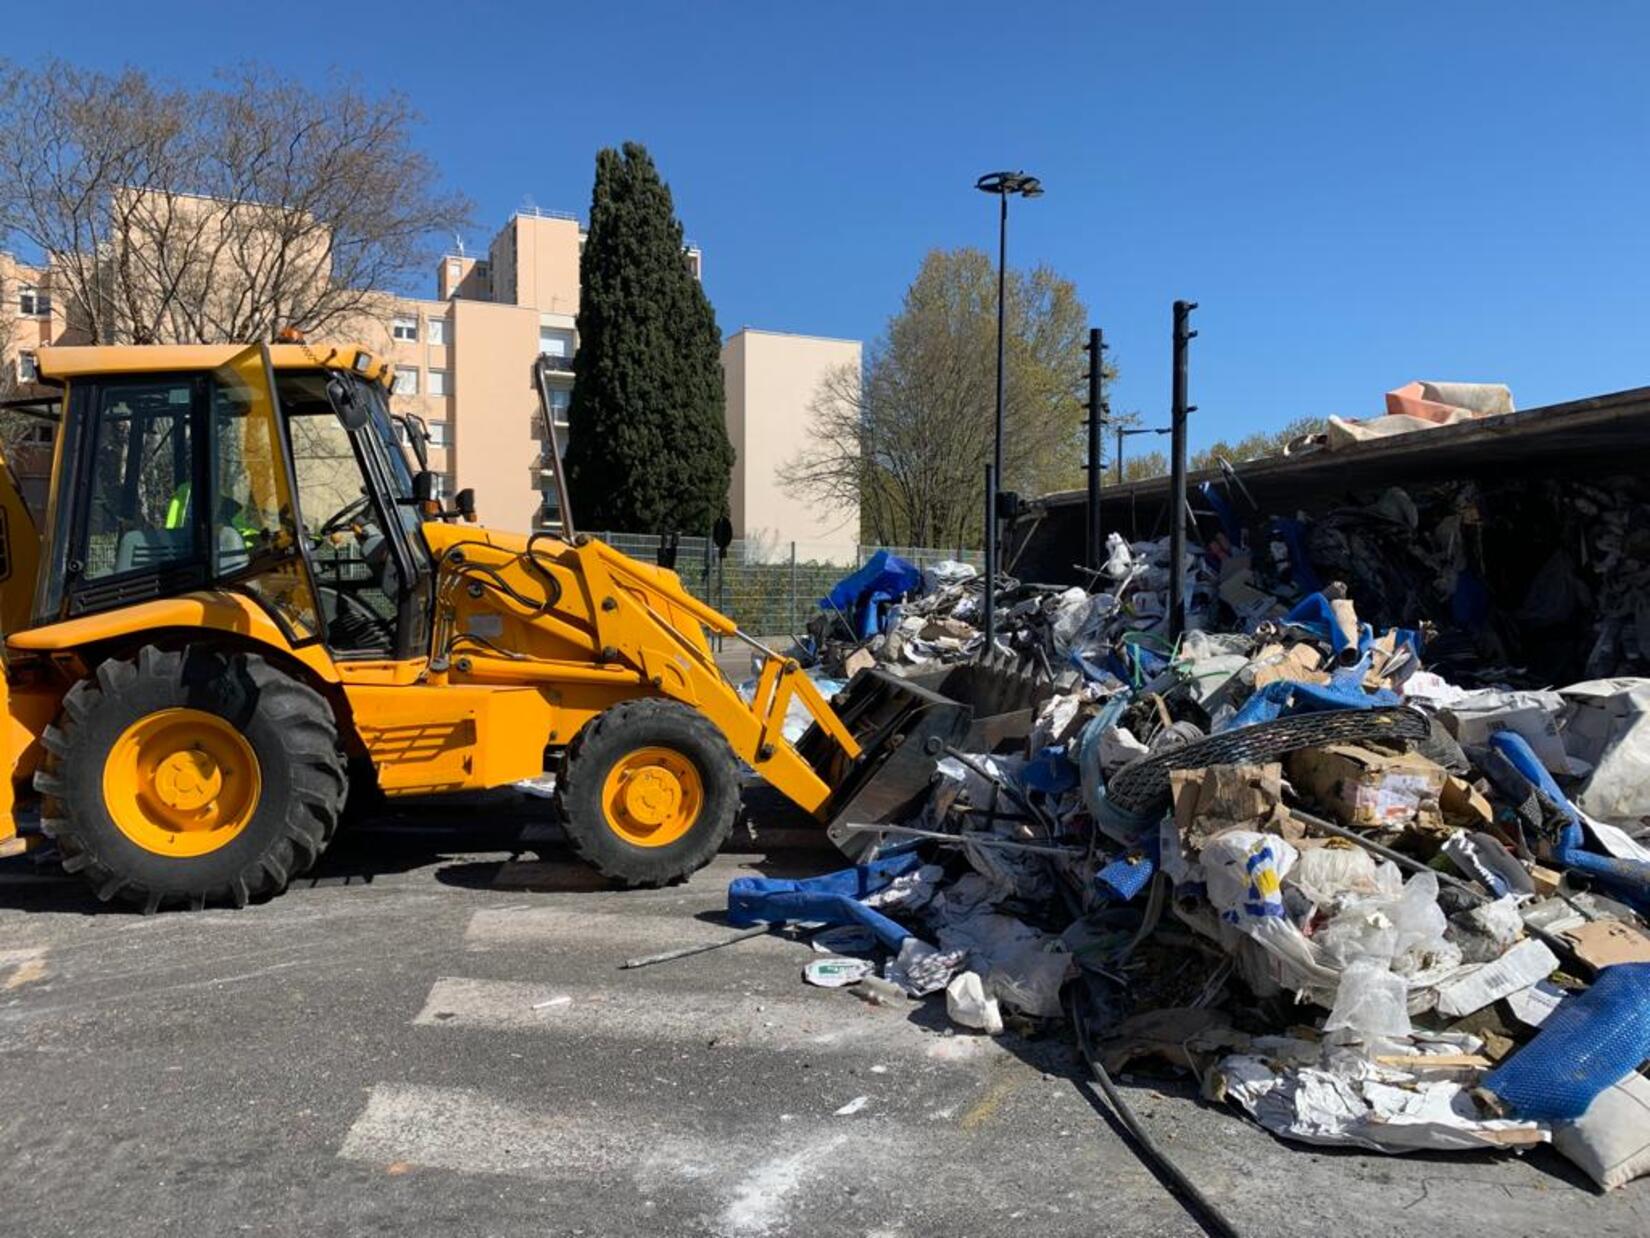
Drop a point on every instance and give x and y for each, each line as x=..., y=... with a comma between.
x=1256, y=446
x=909, y=439
x=648, y=447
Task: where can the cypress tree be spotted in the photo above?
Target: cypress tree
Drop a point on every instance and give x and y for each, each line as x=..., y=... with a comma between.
x=648, y=447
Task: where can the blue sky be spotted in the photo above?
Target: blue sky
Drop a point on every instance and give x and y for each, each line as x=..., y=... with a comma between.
x=1356, y=195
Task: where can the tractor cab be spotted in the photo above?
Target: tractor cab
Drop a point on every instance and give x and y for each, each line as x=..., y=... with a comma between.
x=274, y=472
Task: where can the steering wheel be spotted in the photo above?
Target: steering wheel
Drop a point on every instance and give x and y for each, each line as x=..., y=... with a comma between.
x=345, y=515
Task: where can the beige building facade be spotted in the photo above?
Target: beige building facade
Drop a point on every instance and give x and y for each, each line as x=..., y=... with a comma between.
x=466, y=361
x=773, y=380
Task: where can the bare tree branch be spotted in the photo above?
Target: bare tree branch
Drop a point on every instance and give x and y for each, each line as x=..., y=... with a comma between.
x=219, y=214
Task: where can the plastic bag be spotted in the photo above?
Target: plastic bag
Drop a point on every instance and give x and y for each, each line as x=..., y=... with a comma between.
x=1371, y=1002
x=967, y=1004
x=1244, y=874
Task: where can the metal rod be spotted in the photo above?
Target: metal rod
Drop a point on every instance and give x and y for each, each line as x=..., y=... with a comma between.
x=671, y=955
x=793, y=614
x=1553, y=941
x=989, y=624
x=1097, y=427
x=1386, y=853
x=1177, y=484
x=1008, y=844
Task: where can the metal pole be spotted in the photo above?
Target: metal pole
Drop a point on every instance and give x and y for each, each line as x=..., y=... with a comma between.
x=1177, y=480
x=793, y=627
x=990, y=603
x=1002, y=378
x=1097, y=408
x=1120, y=454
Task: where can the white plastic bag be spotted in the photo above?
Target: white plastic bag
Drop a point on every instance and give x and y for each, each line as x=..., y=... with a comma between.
x=967, y=1004
x=1371, y=1003
x=1244, y=872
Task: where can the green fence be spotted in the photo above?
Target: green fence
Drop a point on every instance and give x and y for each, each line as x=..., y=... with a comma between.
x=770, y=589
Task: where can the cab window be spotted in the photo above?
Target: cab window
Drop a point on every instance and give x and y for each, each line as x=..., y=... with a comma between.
x=138, y=515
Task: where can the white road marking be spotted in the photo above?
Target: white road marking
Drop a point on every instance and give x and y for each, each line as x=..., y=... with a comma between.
x=826, y=1021
x=748, y=1190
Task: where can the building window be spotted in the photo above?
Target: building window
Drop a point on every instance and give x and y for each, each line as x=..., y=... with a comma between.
x=437, y=429
x=33, y=303
x=438, y=382
x=28, y=367
x=406, y=382
x=405, y=329
x=557, y=345
x=454, y=269
x=438, y=330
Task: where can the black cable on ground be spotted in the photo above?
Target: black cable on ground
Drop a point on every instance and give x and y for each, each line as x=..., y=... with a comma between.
x=1197, y=1203
x=1202, y=1209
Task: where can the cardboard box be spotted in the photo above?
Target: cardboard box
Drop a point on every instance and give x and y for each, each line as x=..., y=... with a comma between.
x=1604, y=943
x=1218, y=798
x=1367, y=789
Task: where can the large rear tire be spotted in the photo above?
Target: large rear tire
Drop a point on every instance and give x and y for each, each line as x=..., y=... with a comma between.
x=190, y=778
x=649, y=792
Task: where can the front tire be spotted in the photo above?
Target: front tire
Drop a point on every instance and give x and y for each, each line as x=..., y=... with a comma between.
x=649, y=793
x=191, y=777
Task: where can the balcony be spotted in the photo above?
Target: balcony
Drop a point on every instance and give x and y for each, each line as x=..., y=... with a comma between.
x=555, y=361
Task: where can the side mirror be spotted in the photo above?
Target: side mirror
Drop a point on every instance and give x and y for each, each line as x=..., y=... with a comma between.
x=418, y=436
x=424, y=486
x=464, y=503
x=351, y=411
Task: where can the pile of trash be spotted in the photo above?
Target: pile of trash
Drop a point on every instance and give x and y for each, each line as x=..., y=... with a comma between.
x=1374, y=905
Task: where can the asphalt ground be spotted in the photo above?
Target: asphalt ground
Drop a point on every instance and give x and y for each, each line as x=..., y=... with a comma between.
x=433, y=1036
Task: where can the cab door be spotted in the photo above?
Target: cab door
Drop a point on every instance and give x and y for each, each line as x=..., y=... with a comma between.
x=177, y=482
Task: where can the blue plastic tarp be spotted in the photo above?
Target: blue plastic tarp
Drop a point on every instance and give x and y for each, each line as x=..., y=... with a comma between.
x=1051, y=771
x=1627, y=879
x=1284, y=697
x=831, y=899
x=863, y=595
x=1589, y=1043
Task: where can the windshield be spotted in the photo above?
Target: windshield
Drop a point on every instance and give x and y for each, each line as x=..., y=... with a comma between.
x=400, y=473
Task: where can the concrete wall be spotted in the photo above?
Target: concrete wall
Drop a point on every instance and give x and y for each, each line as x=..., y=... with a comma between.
x=773, y=379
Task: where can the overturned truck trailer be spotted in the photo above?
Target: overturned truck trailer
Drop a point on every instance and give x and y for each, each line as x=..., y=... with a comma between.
x=1522, y=540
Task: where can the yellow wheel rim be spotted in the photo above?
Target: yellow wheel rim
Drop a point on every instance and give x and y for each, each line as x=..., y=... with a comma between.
x=652, y=797
x=181, y=782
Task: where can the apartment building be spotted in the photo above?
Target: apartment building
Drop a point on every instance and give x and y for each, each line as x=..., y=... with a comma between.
x=30, y=316
x=466, y=362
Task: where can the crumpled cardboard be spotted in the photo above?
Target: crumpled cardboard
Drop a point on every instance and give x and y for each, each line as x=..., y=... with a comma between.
x=1219, y=798
x=1367, y=789
x=1604, y=943
x=1298, y=663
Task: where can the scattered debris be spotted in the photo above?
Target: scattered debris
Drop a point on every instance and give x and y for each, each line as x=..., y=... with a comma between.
x=1341, y=881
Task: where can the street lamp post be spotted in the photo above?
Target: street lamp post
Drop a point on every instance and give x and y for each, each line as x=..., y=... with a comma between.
x=1003, y=184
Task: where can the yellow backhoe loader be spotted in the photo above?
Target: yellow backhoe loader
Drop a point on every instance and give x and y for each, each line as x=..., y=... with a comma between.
x=244, y=602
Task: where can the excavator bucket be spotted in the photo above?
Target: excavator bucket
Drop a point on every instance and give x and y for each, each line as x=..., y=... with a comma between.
x=903, y=725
